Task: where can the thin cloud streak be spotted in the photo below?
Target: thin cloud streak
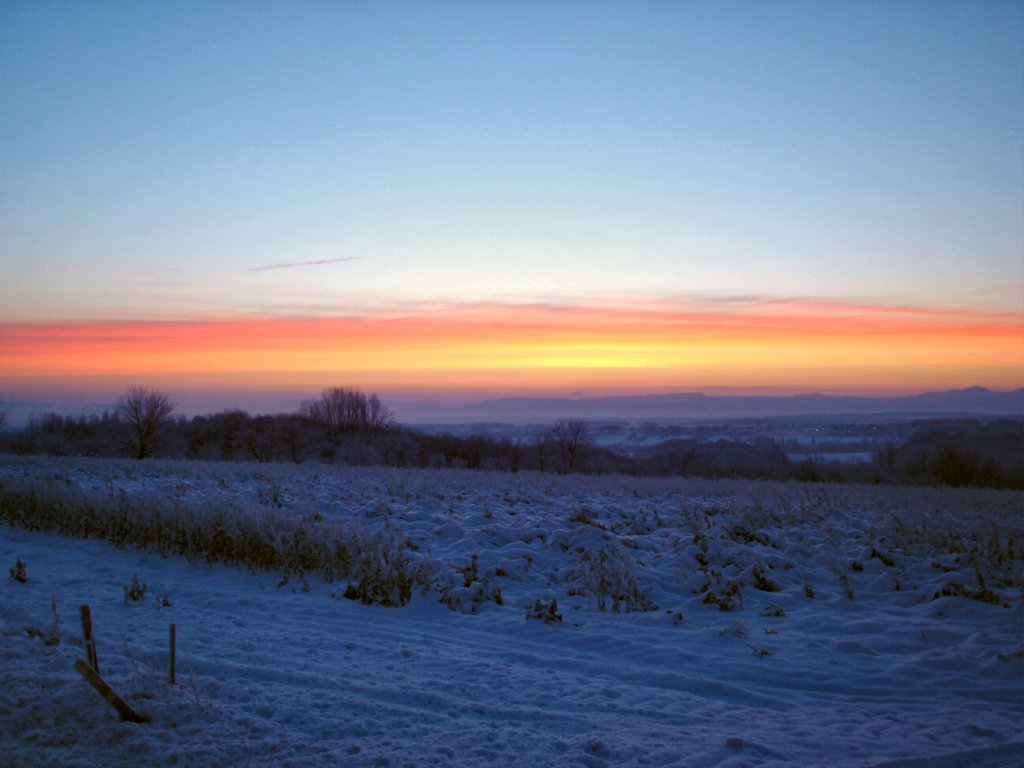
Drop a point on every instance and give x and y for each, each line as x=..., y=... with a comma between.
x=295, y=264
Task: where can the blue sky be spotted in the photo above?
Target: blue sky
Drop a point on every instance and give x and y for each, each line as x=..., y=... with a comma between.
x=529, y=196
x=154, y=153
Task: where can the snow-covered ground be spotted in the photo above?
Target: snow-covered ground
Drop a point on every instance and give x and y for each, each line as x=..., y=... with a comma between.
x=838, y=457
x=872, y=650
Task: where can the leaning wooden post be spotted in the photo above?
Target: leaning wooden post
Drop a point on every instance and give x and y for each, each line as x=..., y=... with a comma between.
x=108, y=694
x=90, y=640
x=170, y=675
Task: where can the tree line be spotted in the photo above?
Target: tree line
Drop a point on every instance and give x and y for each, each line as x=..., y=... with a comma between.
x=344, y=425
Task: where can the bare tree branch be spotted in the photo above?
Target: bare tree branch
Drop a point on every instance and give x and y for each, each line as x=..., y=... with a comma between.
x=572, y=436
x=343, y=410
x=145, y=411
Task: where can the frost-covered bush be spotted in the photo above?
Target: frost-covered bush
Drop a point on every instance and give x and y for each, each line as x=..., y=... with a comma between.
x=466, y=590
x=543, y=611
x=381, y=569
x=607, y=572
x=472, y=598
x=724, y=592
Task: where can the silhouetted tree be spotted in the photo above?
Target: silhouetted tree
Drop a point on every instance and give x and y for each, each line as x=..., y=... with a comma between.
x=572, y=436
x=297, y=440
x=342, y=410
x=145, y=411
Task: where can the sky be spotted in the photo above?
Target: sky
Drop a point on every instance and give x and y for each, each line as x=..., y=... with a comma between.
x=549, y=197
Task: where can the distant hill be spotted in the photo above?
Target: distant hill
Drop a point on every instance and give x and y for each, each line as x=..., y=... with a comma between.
x=974, y=401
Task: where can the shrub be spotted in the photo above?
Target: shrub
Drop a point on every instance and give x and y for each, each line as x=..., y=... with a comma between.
x=762, y=582
x=546, y=612
x=607, y=572
x=473, y=592
x=382, y=571
x=135, y=591
x=727, y=594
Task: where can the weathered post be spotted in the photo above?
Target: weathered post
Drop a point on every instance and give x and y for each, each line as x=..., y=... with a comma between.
x=108, y=694
x=87, y=636
x=170, y=675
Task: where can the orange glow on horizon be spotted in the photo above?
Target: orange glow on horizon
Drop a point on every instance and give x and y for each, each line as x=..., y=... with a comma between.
x=656, y=345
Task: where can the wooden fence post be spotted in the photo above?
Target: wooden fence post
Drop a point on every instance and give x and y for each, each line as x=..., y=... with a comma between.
x=170, y=676
x=90, y=641
x=108, y=694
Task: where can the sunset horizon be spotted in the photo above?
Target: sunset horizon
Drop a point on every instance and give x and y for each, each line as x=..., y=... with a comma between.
x=455, y=353
x=450, y=202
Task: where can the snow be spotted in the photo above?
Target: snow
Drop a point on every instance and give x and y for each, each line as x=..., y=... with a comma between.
x=856, y=660
x=839, y=457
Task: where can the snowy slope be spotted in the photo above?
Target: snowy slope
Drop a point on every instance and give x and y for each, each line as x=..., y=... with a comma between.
x=856, y=660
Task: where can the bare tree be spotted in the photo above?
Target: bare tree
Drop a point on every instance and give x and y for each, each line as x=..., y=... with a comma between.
x=377, y=416
x=343, y=409
x=146, y=412
x=572, y=436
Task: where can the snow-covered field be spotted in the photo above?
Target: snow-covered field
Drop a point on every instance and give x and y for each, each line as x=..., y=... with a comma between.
x=702, y=624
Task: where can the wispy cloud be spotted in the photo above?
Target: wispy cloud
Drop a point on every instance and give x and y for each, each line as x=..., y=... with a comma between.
x=294, y=264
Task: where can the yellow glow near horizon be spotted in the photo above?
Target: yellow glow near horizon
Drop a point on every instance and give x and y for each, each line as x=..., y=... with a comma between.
x=659, y=345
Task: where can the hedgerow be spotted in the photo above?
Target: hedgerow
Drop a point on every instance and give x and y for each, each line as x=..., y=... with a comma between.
x=377, y=561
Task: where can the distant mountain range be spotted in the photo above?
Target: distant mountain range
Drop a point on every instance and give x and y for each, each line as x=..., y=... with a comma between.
x=974, y=401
